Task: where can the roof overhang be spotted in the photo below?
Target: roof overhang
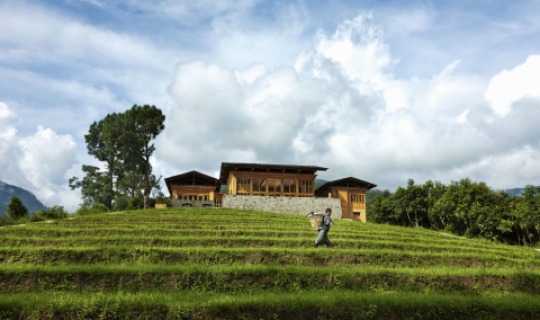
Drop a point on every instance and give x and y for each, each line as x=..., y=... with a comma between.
x=191, y=178
x=227, y=167
x=349, y=182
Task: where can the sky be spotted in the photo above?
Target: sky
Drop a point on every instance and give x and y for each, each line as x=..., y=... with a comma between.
x=384, y=91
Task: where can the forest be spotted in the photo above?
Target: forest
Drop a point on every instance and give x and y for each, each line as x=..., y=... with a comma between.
x=464, y=207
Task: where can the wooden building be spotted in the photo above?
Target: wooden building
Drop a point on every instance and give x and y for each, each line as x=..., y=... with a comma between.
x=193, y=189
x=255, y=179
x=269, y=179
x=352, y=194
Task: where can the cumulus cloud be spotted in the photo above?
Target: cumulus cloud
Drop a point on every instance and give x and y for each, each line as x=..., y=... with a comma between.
x=342, y=106
x=38, y=162
x=8, y=120
x=510, y=86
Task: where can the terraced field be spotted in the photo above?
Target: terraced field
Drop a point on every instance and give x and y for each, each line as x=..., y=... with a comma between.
x=226, y=264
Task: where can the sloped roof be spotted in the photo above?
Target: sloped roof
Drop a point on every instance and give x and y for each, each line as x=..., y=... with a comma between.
x=349, y=182
x=227, y=167
x=191, y=178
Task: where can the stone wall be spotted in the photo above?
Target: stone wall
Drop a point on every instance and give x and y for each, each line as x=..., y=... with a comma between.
x=291, y=205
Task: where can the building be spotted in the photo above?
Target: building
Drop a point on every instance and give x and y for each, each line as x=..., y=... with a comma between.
x=193, y=189
x=271, y=187
x=352, y=194
x=269, y=179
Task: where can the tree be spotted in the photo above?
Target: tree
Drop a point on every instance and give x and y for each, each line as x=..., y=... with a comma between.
x=381, y=208
x=95, y=187
x=16, y=208
x=146, y=122
x=104, y=142
x=123, y=141
x=526, y=216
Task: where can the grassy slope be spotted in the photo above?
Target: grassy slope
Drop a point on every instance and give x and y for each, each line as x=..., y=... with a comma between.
x=219, y=263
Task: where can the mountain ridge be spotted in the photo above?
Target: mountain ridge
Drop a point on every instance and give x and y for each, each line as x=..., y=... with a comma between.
x=29, y=200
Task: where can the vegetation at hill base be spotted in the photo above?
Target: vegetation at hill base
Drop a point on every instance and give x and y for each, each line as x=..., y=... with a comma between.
x=216, y=263
x=464, y=208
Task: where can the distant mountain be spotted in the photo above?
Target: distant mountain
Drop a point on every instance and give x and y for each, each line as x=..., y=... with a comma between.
x=515, y=191
x=29, y=200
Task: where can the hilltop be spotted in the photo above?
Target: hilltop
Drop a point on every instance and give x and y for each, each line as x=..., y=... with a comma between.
x=8, y=191
x=215, y=263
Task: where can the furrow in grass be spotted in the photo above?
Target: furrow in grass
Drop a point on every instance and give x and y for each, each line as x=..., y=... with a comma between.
x=224, y=278
x=255, y=255
x=308, y=305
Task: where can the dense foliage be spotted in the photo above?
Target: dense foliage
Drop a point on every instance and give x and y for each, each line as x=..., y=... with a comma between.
x=123, y=142
x=465, y=208
x=16, y=208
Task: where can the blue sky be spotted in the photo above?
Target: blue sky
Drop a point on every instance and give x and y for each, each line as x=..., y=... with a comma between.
x=379, y=90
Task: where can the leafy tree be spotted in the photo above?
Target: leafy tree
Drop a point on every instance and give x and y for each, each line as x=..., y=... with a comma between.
x=146, y=123
x=434, y=190
x=123, y=141
x=527, y=217
x=381, y=208
x=16, y=208
x=95, y=187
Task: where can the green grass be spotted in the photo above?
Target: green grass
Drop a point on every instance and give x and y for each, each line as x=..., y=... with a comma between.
x=221, y=264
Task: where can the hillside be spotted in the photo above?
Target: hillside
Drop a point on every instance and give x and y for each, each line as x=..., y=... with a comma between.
x=216, y=263
x=8, y=191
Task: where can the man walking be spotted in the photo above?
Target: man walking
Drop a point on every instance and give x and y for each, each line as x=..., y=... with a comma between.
x=322, y=237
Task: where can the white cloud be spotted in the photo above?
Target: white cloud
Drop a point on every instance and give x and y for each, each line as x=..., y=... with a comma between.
x=8, y=120
x=46, y=156
x=39, y=162
x=342, y=107
x=510, y=86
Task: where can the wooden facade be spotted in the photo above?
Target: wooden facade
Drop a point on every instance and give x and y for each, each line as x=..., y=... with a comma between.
x=352, y=194
x=269, y=179
x=195, y=188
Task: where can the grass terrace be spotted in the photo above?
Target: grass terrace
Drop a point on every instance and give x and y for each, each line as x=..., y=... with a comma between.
x=215, y=263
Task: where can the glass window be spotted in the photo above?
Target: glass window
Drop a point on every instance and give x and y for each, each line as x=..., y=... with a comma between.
x=289, y=186
x=243, y=185
x=259, y=185
x=305, y=186
x=274, y=186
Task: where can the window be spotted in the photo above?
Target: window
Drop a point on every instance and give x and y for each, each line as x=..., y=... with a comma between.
x=259, y=186
x=305, y=186
x=274, y=186
x=358, y=198
x=243, y=185
x=289, y=186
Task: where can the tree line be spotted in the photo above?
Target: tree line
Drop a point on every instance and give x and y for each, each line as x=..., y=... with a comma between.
x=464, y=207
x=122, y=143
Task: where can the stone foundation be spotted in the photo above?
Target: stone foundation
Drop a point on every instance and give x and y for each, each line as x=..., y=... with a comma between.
x=290, y=205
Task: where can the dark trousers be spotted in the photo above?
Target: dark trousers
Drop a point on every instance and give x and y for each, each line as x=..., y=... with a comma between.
x=322, y=238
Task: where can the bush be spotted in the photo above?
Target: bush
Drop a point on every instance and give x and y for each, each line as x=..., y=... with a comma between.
x=96, y=208
x=121, y=203
x=56, y=212
x=136, y=203
x=16, y=208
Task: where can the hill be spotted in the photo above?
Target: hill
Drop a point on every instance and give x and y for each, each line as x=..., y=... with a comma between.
x=215, y=263
x=8, y=191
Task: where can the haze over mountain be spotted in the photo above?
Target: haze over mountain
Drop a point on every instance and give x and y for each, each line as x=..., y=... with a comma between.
x=8, y=191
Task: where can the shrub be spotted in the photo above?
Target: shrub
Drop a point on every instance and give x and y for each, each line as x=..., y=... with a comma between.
x=16, y=208
x=96, y=208
x=121, y=203
x=56, y=212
